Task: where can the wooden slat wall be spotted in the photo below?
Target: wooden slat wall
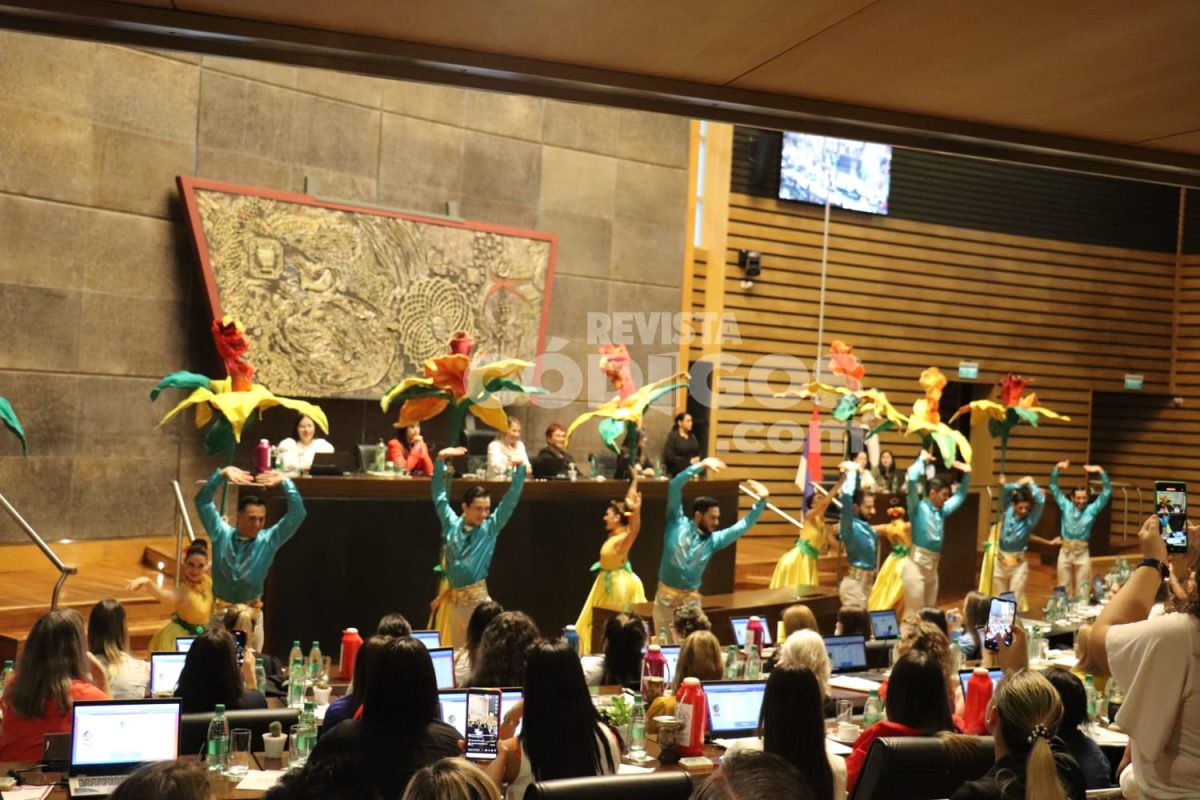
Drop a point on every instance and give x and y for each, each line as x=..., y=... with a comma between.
x=908, y=295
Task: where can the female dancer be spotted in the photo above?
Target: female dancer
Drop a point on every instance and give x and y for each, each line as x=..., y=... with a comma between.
x=888, y=590
x=798, y=566
x=617, y=586
x=193, y=599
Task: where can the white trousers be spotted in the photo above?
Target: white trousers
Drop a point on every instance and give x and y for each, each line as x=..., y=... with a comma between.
x=1074, y=566
x=1008, y=577
x=920, y=583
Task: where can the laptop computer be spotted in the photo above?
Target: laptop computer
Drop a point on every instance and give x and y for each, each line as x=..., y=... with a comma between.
x=453, y=707
x=884, y=624
x=443, y=665
x=964, y=675
x=112, y=738
x=428, y=638
x=184, y=643
x=739, y=630
x=332, y=464
x=847, y=654
x=734, y=707
x=164, y=673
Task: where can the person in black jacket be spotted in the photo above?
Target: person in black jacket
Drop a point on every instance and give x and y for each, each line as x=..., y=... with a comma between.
x=1097, y=769
x=1031, y=763
x=682, y=448
x=553, y=460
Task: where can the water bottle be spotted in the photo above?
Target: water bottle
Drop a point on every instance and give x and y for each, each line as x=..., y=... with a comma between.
x=315, y=663
x=956, y=658
x=263, y=461
x=217, y=748
x=753, y=664
x=594, y=466
x=873, y=710
x=662, y=637
x=731, y=663
x=572, y=637
x=308, y=726
x=1089, y=686
x=260, y=673
x=295, y=653
x=637, y=732
x=380, y=456
x=295, y=698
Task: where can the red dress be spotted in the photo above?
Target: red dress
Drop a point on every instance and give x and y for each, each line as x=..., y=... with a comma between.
x=21, y=737
x=880, y=730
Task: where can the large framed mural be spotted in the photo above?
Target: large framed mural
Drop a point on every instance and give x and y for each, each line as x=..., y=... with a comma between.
x=339, y=301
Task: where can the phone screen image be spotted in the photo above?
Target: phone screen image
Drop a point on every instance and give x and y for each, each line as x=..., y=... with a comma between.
x=999, y=625
x=1170, y=506
x=240, y=638
x=483, y=724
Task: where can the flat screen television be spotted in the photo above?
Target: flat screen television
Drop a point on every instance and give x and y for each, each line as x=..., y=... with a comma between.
x=853, y=175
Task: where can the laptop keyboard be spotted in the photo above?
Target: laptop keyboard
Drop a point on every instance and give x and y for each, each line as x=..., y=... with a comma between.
x=94, y=781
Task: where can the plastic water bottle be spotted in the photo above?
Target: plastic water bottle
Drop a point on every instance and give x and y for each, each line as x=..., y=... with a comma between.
x=260, y=673
x=217, y=748
x=1034, y=644
x=662, y=637
x=307, y=720
x=315, y=662
x=637, y=732
x=380, y=456
x=295, y=698
x=572, y=637
x=295, y=653
x=1089, y=686
x=873, y=710
x=731, y=663
x=753, y=664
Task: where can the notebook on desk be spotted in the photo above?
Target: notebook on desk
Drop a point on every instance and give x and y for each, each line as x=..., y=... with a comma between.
x=112, y=738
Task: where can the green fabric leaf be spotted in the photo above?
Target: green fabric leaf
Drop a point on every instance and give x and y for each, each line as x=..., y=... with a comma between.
x=1026, y=414
x=661, y=391
x=9, y=417
x=886, y=425
x=845, y=408
x=420, y=390
x=610, y=429
x=181, y=380
x=220, y=439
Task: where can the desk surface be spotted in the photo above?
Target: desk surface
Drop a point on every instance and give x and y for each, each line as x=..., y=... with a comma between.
x=366, y=486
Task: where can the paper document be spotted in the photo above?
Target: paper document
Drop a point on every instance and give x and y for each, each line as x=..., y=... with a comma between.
x=259, y=780
x=633, y=769
x=853, y=684
x=27, y=792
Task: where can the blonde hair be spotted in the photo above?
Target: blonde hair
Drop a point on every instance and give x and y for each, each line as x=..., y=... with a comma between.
x=928, y=638
x=451, y=779
x=1029, y=712
x=798, y=618
x=807, y=649
x=699, y=657
x=239, y=617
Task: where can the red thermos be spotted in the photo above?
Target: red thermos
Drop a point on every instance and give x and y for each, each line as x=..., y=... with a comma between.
x=979, y=692
x=755, y=633
x=264, y=455
x=692, y=710
x=351, y=642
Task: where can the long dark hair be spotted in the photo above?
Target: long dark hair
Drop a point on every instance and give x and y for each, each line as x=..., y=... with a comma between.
x=54, y=655
x=210, y=673
x=401, y=696
x=792, y=724
x=107, y=633
x=562, y=730
x=855, y=621
x=503, y=650
x=976, y=607
x=624, y=637
x=367, y=655
x=916, y=694
x=481, y=617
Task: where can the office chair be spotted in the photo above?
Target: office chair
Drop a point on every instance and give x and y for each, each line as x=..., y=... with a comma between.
x=918, y=768
x=654, y=786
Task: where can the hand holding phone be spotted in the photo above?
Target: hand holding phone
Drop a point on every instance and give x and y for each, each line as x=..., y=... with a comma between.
x=999, y=627
x=1170, y=506
x=483, y=724
x=240, y=638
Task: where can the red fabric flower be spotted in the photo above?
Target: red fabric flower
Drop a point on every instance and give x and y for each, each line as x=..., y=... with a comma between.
x=843, y=362
x=1011, y=389
x=231, y=345
x=461, y=343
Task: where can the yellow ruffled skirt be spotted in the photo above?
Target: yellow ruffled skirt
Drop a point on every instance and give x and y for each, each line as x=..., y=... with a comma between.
x=164, y=640
x=888, y=590
x=440, y=617
x=795, y=568
x=614, y=588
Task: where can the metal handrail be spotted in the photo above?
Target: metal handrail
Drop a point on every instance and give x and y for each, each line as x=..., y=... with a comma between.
x=64, y=570
x=182, y=522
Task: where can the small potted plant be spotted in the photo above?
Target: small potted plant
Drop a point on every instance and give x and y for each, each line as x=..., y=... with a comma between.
x=321, y=691
x=274, y=740
x=618, y=716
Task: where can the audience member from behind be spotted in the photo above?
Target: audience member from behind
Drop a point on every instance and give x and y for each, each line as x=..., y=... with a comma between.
x=853, y=621
x=241, y=617
x=1083, y=748
x=394, y=625
x=1030, y=763
x=467, y=655
x=166, y=780
x=108, y=641
x=345, y=707
x=503, y=650
x=917, y=705
x=937, y=617
x=688, y=620
x=562, y=733
x=400, y=731
x=792, y=725
x=337, y=776
x=976, y=608
x=806, y=649
x=798, y=618
x=53, y=671
x=927, y=637
x=1157, y=663
x=211, y=675
x=755, y=776
x=699, y=657
x=451, y=779
x=621, y=664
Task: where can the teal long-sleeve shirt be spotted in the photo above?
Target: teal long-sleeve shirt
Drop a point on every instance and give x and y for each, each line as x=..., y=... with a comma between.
x=686, y=552
x=929, y=523
x=469, y=551
x=1077, y=524
x=1014, y=536
x=855, y=532
x=240, y=565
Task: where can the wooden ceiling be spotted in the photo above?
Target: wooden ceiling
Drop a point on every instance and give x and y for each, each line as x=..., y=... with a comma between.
x=1109, y=80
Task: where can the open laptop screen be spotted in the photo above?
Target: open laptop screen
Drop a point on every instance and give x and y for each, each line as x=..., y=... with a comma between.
x=184, y=643
x=164, y=672
x=428, y=638
x=739, y=630
x=443, y=666
x=734, y=706
x=847, y=653
x=112, y=733
x=884, y=624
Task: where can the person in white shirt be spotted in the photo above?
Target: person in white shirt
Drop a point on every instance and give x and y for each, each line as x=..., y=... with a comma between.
x=108, y=641
x=1157, y=661
x=505, y=451
x=297, y=453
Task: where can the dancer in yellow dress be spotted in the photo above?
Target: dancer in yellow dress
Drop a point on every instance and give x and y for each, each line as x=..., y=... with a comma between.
x=798, y=566
x=617, y=586
x=193, y=599
x=888, y=591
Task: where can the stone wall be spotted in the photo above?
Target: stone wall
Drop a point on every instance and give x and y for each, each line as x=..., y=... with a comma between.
x=99, y=294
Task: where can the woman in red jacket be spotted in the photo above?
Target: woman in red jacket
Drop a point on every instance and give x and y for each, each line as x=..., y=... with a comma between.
x=412, y=453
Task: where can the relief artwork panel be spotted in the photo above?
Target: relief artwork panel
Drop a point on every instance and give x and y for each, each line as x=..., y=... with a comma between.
x=340, y=301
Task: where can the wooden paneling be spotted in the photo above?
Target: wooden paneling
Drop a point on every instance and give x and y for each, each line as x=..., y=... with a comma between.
x=1073, y=317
